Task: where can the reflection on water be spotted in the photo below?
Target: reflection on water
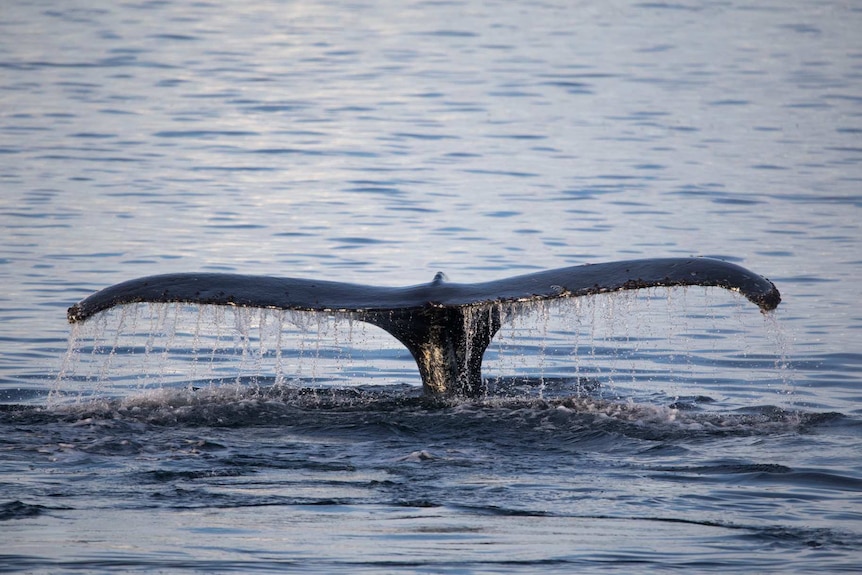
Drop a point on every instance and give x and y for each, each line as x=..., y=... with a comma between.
x=380, y=143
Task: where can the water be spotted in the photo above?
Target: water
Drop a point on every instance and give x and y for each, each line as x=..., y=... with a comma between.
x=383, y=142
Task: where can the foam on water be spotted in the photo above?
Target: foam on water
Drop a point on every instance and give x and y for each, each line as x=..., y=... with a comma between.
x=296, y=408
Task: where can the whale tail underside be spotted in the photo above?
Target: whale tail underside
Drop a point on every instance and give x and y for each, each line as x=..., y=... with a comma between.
x=446, y=326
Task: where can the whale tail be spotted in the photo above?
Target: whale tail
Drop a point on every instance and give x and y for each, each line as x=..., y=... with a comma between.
x=446, y=326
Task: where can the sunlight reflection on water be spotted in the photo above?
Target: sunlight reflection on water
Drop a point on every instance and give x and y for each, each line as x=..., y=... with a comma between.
x=381, y=143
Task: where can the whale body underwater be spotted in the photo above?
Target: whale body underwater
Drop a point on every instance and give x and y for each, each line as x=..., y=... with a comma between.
x=445, y=326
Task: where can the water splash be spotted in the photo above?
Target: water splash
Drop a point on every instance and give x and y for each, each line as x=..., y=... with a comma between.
x=348, y=408
x=646, y=345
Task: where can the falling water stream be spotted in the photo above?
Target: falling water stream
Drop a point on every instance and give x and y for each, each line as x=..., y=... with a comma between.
x=581, y=346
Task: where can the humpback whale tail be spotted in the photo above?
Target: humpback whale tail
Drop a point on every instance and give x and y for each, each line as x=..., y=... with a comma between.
x=446, y=326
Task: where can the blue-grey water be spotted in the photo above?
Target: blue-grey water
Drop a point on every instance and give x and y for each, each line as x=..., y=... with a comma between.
x=381, y=142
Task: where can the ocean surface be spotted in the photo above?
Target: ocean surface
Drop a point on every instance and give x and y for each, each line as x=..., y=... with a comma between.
x=662, y=430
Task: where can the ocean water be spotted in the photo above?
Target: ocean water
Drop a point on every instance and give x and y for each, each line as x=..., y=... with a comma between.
x=653, y=431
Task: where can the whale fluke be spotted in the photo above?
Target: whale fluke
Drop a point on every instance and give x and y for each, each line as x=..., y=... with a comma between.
x=446, y=326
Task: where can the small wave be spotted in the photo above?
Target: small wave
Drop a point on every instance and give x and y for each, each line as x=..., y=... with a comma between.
x=792, y=538
x=403, y=407
x=19, y=510
x=728, y=468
